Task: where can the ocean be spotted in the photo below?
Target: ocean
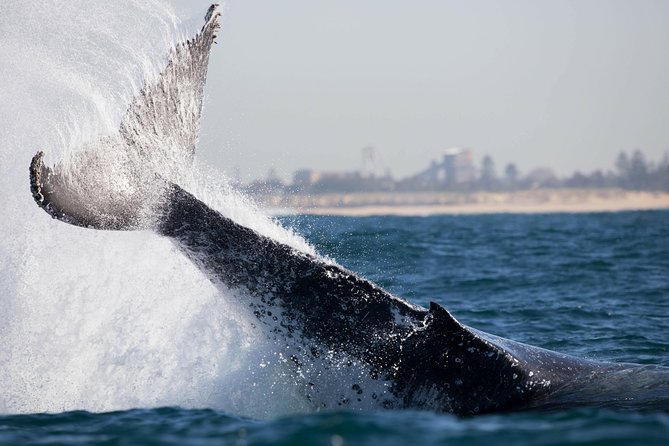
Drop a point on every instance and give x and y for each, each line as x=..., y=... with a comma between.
x=591, y=285
x=114, y=337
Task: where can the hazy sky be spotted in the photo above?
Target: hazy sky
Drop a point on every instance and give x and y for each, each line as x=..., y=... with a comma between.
x=560, y=84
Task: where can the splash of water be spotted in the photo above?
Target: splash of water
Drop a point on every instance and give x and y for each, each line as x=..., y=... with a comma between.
x=109, y=320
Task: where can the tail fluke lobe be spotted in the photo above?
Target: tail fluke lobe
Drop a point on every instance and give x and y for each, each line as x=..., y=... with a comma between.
x=52, y=191
x=162, y=122
x=47, y=195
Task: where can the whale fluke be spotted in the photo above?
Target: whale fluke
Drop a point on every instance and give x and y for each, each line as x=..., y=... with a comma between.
x=111, y=183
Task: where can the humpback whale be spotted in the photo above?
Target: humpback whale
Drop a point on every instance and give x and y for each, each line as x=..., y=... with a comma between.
x=322, y=319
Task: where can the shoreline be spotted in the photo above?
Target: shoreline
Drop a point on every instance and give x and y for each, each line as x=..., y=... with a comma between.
x=467, y=203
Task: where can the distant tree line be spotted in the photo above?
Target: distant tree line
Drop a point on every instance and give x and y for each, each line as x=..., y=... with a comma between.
x=632, y=171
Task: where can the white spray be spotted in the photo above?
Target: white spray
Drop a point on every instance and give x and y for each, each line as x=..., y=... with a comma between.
x=100, y=320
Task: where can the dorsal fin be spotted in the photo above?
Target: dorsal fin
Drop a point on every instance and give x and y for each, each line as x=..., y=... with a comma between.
x=471, y=374
x=444, y=319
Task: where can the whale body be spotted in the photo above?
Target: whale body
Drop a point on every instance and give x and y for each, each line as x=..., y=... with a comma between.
x=322, y=319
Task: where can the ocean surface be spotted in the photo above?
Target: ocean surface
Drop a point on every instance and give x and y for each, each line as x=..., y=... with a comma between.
x=591, y=285
x=113, y=337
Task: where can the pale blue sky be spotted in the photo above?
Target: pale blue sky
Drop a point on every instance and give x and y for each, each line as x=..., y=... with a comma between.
x=561, y=84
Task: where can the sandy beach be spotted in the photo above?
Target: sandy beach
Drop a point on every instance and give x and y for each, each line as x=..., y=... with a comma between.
x=434, y=203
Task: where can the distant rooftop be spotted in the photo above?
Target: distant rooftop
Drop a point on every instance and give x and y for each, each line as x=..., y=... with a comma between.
x=454, y=151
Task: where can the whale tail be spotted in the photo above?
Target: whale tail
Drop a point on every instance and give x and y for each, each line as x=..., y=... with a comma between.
x=112, y=182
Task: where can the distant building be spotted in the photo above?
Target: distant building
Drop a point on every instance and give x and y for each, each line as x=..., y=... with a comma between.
x=309, y=177
x=306, y=177
x=456, y=167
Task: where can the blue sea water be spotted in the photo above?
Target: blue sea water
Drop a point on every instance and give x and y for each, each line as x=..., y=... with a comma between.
x=591, y=285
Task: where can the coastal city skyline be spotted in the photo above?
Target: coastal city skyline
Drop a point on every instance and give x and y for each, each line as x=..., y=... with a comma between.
x=458, y=170
x=565, y=85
